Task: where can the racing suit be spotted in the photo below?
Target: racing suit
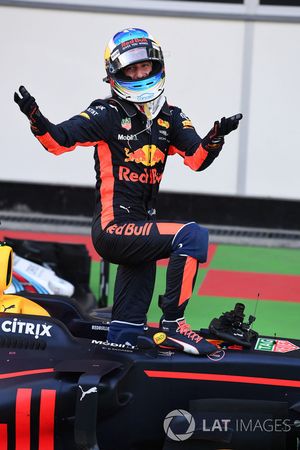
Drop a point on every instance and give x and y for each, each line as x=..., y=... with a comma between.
x=130, y=155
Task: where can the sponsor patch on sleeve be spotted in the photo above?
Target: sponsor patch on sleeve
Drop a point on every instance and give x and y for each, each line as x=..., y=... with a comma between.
x=187, y=124
x=84, y=114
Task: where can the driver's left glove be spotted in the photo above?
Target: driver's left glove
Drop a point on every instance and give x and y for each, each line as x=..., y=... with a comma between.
x=215, y=138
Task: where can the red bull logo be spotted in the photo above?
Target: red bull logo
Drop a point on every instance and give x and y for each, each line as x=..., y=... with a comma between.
x=134, y=42
x=148, y=155
x=163, y=123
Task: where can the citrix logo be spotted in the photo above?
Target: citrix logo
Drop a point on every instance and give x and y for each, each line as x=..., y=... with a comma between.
x=19, y=327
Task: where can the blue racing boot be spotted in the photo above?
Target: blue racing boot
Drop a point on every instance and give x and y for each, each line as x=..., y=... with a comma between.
x=180, y=336
x=124, y=332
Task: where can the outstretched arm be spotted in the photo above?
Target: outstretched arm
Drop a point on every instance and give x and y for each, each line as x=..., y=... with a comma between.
x=85, y=129
x=199, y=153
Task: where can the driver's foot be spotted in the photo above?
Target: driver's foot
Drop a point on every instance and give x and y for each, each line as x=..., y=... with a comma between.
x=180, y=336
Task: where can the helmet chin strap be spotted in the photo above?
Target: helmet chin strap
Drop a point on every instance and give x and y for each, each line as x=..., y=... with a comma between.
x=151, y=109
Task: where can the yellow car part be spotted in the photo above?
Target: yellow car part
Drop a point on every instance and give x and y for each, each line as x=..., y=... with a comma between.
x=11, y=303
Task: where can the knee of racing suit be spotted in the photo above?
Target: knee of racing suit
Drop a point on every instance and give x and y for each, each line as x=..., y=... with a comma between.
x=191, y=240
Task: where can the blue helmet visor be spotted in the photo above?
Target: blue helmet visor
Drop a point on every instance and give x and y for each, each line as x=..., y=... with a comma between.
x=133, y=56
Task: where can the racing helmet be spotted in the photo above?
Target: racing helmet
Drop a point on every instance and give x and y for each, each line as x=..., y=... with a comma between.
x=130, y=46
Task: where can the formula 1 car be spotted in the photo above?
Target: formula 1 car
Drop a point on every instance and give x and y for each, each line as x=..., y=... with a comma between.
x=64, y=387
x=52, y=268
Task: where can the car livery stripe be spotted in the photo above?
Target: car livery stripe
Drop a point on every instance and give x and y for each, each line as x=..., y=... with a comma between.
x=46, y=427
x=3, y=436
x=222, y=378
x=23, y=402
x=23, y=373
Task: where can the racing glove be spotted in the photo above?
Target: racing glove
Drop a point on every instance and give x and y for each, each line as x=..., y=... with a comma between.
x=29, y=107
x=214, y=140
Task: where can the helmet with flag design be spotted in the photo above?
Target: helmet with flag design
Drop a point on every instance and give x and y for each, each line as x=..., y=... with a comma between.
x=131, y=46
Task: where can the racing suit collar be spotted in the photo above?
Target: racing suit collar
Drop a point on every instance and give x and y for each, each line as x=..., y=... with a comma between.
x=165, y=109
x=151, y=109
x=131, y=110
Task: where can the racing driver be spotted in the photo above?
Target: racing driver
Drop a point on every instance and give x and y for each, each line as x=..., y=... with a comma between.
x=133, y=133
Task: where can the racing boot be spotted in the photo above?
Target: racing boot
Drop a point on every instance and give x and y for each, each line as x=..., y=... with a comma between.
x=124, y=332
x=180, y=336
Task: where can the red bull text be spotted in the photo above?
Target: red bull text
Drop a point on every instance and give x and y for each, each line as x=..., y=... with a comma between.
x=149, y=176
x=129, y=229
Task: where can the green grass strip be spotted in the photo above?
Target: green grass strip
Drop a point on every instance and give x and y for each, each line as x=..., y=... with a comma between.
x=257, y=259
x=94, y=281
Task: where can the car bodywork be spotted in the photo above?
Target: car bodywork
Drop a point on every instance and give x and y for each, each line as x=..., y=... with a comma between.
x=63, y=386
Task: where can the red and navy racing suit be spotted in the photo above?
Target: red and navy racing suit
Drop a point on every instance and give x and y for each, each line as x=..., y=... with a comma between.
x=130, y=156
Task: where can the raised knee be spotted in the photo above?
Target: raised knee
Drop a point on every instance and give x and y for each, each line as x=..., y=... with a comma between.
x=191, y=240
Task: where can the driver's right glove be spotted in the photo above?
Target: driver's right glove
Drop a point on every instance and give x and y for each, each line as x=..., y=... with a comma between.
x=29, y=107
